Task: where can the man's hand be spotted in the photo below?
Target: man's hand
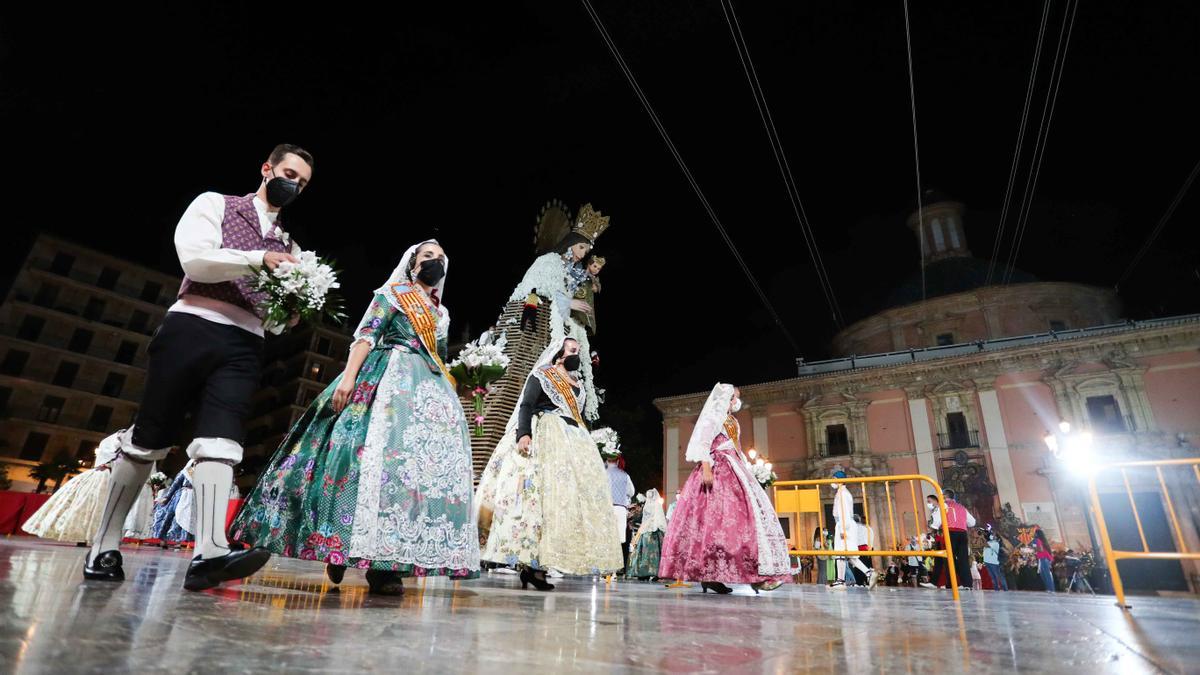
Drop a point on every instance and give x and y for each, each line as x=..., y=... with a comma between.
x=271, y=259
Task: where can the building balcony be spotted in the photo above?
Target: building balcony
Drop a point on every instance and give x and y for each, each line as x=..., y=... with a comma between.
x=122, y=292
x=61, y=312
x=835, y=449
x=38, y=348
x=958, y=440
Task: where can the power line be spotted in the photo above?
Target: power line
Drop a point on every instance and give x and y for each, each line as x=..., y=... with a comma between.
x=785, y=169
x=1016, y=161
x=1187, y=184
x=1043, y=137
x=912, y=97
x=712, y=214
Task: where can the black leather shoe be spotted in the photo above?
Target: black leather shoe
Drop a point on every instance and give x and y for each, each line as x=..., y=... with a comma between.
x=335, y=572
x=204, y=574
x=106, y=567
x=382, y=582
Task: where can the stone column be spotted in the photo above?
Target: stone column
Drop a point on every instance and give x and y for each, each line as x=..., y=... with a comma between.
x=761, y=443
x=671, y=455
x=918, y=411
x=997, y=445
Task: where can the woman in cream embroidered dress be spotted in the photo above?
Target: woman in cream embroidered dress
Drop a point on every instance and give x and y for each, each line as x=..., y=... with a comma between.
x=377, y=472
x=544, y=496
x=74, y=511
x=725, y=529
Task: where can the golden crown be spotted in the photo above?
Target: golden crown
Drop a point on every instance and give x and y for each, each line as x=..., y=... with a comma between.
x=598, y=260
x=590, y=223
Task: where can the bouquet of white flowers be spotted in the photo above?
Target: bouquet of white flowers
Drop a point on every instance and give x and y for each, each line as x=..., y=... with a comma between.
x=301, y=289
x=159, y=480
x=608, y=441
x=477, y=366
x=763, y=474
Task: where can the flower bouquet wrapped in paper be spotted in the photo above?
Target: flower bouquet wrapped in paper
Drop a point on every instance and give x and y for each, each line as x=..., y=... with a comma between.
x=608, y=441
x=301, y=290
x=476, y=367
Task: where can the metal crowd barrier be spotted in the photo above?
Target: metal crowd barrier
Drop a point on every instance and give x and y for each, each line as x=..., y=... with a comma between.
x=1112, y=556
x=781, y=496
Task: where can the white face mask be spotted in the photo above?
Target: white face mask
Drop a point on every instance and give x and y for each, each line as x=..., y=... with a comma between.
x=737, y=405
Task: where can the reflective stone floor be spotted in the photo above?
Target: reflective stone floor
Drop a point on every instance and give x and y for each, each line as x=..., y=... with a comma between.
x=287, y=619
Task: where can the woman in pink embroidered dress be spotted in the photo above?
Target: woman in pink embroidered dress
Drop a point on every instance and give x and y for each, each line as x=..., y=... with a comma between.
x=724, y=530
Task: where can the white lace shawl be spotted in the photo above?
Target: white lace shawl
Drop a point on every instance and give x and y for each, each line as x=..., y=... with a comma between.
x=544, y=360
x=653, y=517
x=710, y=424
x=401, y=275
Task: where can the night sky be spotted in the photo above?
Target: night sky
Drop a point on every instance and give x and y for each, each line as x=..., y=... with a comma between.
x=461, y=122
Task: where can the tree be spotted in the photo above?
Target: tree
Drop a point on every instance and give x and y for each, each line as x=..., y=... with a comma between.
x=55, y=470
x=5, y=482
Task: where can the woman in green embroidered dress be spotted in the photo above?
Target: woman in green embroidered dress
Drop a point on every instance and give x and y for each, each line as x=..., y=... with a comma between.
x=376, y=474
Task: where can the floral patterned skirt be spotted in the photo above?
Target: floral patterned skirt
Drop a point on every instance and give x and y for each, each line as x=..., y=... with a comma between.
x=646, y=554
x=385, y=484
x=551, y=509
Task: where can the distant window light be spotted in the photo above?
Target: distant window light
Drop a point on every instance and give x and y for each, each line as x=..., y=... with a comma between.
x=945, y=339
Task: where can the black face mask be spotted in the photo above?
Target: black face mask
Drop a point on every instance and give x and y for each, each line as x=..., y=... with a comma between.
x=431, y=272
x=281, y=191
x=571, y=362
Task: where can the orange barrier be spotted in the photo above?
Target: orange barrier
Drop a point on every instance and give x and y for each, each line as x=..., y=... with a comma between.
x=782, y=497
x=1112, y=556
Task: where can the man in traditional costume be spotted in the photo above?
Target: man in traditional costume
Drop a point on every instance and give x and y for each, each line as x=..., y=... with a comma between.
x=208, y=348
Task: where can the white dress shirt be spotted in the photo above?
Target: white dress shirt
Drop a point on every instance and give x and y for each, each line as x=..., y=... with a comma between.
x=198, y=243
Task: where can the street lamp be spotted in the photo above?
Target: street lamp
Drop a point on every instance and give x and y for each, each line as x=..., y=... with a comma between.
x=1074, y=451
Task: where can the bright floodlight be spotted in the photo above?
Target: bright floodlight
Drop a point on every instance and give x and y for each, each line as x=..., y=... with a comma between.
x=1077, y=454
x=753, y=453
x=1064, y=426
x=1051, y=442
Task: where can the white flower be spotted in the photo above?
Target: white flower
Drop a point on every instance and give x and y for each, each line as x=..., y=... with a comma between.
x=607, y=439
x=475, y=356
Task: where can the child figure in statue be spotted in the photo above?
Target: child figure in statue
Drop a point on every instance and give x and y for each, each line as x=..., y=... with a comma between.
x=586, y=293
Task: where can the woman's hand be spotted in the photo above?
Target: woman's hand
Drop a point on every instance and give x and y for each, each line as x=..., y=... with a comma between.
x=581, y=306
x=706, y=475
x=523, y=445
x=341, y=395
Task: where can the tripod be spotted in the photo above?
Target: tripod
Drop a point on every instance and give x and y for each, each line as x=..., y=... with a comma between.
x=1078, y=582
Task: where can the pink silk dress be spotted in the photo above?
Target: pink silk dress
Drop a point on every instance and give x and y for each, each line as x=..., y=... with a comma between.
x=730, y=534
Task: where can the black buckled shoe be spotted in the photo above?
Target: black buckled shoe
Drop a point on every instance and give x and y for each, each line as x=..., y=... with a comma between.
x=106, y=567
x=205, y=574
